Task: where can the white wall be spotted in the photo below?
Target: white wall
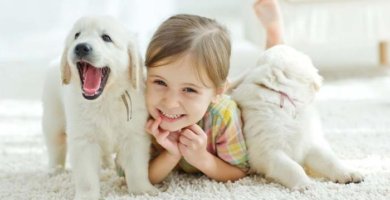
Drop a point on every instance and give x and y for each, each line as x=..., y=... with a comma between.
x=335, y=33
x=35, y=30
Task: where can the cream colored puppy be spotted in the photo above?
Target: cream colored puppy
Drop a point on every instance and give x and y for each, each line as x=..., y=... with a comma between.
x=282, y=130
x=94, y=107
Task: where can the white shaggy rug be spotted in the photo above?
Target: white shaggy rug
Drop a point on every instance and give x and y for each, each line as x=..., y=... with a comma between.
x=356, y=121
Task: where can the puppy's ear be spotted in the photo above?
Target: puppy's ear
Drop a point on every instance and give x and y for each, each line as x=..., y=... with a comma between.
x=135, y=65
x=280, y=75
x=65, y=68
x=274, y=78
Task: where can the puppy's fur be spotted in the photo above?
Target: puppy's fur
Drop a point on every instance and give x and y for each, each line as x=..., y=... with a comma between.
x=281, y=127
x=94, y=106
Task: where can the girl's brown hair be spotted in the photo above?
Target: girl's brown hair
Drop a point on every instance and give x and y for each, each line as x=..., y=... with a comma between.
x=206, y=40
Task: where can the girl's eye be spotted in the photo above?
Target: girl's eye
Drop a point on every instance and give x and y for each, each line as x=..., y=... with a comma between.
x=159, y=82
x=106, y=38
x=189, y=90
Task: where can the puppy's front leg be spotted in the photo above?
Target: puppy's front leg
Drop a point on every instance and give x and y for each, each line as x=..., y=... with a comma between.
x=85, y=161
x=56, y=147
x=280, y=167
x=134, y=159
x=53, y=126
x=322, y=160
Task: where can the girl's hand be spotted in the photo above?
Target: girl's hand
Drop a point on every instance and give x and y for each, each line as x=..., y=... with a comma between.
x=193, y=145
x=168, y=140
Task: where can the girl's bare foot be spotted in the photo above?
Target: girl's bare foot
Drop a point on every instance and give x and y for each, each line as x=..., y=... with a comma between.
x=268, y=12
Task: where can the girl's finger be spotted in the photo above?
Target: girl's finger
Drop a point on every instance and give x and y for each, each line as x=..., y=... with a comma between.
x=189, y=134
x=196, y=129
x=162, y=135
x=148, y=126
x=154, y=126
x=185, y=141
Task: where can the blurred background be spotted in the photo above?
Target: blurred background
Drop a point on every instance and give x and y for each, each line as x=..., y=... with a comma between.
x=337, y=34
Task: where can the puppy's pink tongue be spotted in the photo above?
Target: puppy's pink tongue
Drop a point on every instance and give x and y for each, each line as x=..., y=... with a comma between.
x=92, y=79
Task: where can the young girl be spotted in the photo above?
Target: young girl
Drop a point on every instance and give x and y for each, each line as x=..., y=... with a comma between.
x=195, y=126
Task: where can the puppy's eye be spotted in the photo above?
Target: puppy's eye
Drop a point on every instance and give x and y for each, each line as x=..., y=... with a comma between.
x=106, y=38
x=76, y=35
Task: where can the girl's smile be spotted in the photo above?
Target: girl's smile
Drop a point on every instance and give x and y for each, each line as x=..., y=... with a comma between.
x=170, y=117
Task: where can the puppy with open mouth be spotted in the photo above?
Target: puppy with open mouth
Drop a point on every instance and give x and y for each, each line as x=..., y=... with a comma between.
x=94, y=107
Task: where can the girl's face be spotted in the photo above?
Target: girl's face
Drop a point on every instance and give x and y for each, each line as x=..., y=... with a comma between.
x=175, y=93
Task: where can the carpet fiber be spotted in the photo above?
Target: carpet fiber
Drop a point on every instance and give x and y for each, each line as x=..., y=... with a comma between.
x=356, y=119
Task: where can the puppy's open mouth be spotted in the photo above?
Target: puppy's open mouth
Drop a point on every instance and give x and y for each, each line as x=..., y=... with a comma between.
x=93, y=79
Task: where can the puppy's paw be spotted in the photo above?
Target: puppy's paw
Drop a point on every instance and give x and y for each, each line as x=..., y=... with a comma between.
x=54, y=171
x=302, y=186
x=107, y=163
x=138, y=189
x=348, y=176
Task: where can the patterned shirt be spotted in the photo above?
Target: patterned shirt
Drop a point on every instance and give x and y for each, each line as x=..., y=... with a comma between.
x=222, y=124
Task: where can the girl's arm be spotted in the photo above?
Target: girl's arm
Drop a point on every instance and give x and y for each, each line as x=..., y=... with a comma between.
x=219, y=170
x=161, y=166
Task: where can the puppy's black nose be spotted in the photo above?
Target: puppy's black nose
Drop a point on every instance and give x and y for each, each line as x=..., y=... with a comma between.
x=82, y=49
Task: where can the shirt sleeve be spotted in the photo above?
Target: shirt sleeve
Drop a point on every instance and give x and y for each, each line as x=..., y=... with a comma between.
x=230, y=142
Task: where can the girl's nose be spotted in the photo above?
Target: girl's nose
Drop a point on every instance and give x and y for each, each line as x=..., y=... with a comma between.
x=171, y=99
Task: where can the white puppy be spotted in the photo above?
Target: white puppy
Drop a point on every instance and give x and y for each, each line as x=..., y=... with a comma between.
x=281, y=127
x=94, y=106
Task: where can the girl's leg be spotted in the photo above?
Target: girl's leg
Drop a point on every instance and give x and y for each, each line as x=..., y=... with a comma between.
x=268, y=12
